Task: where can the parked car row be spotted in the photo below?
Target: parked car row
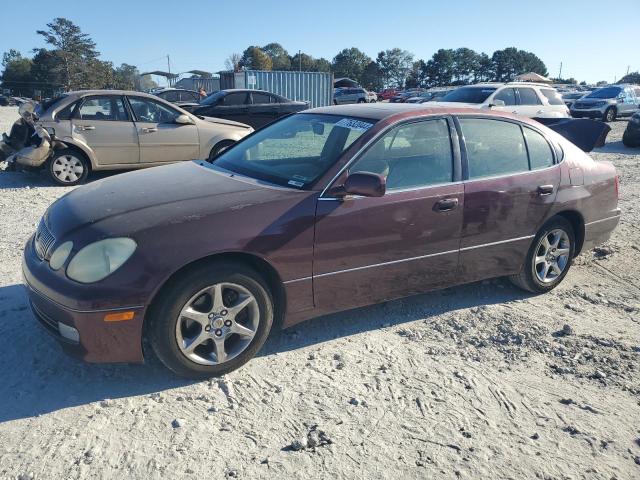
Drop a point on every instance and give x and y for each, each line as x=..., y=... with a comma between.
x=324, y=210
x=345, y=95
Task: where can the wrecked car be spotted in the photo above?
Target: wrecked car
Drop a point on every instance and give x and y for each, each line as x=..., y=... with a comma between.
x=117, y=130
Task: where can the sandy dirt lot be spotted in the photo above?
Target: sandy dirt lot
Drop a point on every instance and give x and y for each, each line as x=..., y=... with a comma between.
x=478, y=381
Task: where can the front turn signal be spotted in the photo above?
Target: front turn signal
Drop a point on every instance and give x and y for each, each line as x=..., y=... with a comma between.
x=119, y=316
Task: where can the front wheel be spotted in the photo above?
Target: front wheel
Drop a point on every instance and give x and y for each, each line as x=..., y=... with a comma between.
x=609, y=115
x=68, y=167
x=549, y=257
x=211, y=320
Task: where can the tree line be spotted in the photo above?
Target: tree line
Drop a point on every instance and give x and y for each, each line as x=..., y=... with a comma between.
x=396, y=67
x=70, y=63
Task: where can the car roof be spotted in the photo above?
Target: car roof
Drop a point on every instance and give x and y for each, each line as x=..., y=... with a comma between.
x=84, y=93
x=379, y=111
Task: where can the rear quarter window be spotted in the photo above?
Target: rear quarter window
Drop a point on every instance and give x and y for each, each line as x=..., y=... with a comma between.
x=552, y=96
x=540, y=153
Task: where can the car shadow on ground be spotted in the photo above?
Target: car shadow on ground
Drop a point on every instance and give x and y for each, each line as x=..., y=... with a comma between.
x=619, y=148
x=38, y=378
x=38, y=178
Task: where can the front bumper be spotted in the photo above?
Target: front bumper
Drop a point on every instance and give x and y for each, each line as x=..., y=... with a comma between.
x=587, y=113
x=96, y=341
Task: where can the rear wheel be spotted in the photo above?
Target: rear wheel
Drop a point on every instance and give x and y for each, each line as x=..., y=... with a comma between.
x=628, y=141
x=549, y=257
x=361, y=100
x=68, y=167
x=211, y=320
x=609, y=115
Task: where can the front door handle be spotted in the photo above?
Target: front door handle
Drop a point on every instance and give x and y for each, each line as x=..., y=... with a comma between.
x=149, y=130
x=445, y=205
x=86, y=127
x=545, y=189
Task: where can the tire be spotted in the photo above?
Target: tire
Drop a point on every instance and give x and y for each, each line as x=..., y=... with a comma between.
x=219, y=148
x=170, y=332
x=361, y=100
x=630, y=142
x=68, y=167
x=531, y=273
x=609, y=114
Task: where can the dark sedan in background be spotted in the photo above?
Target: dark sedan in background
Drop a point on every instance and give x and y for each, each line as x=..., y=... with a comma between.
x=185, y=99
x=325, y=210
x=252, y=107
x=631, y=136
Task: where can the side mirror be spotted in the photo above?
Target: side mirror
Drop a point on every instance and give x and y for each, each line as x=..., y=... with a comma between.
x=497, y=103
x=183, y=120
x=362, y=183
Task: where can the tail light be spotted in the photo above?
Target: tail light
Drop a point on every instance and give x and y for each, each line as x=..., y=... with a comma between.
x=617, y=187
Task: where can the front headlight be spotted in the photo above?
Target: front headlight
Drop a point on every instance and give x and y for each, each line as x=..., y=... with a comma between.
x=60, y=255
x=99, y=259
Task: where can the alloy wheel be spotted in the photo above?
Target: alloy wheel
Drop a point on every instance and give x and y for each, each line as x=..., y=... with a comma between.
x=552, y=255
x=217, y=324
x=67, y=168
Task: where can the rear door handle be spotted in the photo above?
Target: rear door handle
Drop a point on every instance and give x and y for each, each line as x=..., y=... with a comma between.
x=149, y=130
x=545, y=189
x=445, y=205
x=86, y=127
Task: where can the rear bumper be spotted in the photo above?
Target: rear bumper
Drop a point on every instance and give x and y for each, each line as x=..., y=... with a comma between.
x=599, y=231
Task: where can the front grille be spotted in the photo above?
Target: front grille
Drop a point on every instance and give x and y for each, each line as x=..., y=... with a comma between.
x=43, y=241
x=583, y=106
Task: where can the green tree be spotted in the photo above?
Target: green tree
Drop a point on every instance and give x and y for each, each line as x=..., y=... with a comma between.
x=322, y=65
x=303, y=62
x=253, y=58
x=418, y=75
x=126, y=77
x=16, y=74
x=395, y=65
x=633, y=77
x=439, y=69
x=350, y=63
x=75, y=51
x=372, y=77
x=510, y=62
x=466, y=63
x=280, y=58
x=484, y=70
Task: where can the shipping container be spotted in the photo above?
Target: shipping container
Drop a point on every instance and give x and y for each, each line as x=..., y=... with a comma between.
x=313, y=87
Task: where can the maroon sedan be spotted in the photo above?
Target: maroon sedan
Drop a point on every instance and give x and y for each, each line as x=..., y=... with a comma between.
x=324, y=210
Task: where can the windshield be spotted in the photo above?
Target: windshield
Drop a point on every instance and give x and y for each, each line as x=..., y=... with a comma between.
x=468, y=94
x=295, y=151
x=606, y=92
x=213, y=98
x=42, y=107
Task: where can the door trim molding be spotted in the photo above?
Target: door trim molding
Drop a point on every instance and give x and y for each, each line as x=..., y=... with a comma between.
x=410, y=259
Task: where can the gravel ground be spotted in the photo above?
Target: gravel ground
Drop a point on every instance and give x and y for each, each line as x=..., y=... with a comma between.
x=478, y=381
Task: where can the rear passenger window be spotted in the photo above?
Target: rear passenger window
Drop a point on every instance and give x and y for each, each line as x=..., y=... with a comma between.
x=260, y=98
x=493, y=147
x=528, y=97
x=411, y=156
x=553, y=96
x=103, y=108
x=235, y=98
x=65, y=113
x=540, y=154
x=508, y=96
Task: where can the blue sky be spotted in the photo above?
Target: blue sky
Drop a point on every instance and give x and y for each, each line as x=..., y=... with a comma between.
x=201, y=35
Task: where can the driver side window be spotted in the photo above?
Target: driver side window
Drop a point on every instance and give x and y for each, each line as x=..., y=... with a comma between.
x=411, y=156
x=147, y=110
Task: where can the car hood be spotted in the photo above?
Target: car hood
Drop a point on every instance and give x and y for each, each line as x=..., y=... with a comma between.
x=590, y=101
x=222, y=121
x=139, y=200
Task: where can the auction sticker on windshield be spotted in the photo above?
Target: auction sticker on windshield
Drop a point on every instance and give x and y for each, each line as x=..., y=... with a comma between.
x=354, y=124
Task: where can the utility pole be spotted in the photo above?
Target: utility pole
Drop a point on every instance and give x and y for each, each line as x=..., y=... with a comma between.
x=299, y=60
x=169, y=70
x=560, y=74
x=628, y=67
